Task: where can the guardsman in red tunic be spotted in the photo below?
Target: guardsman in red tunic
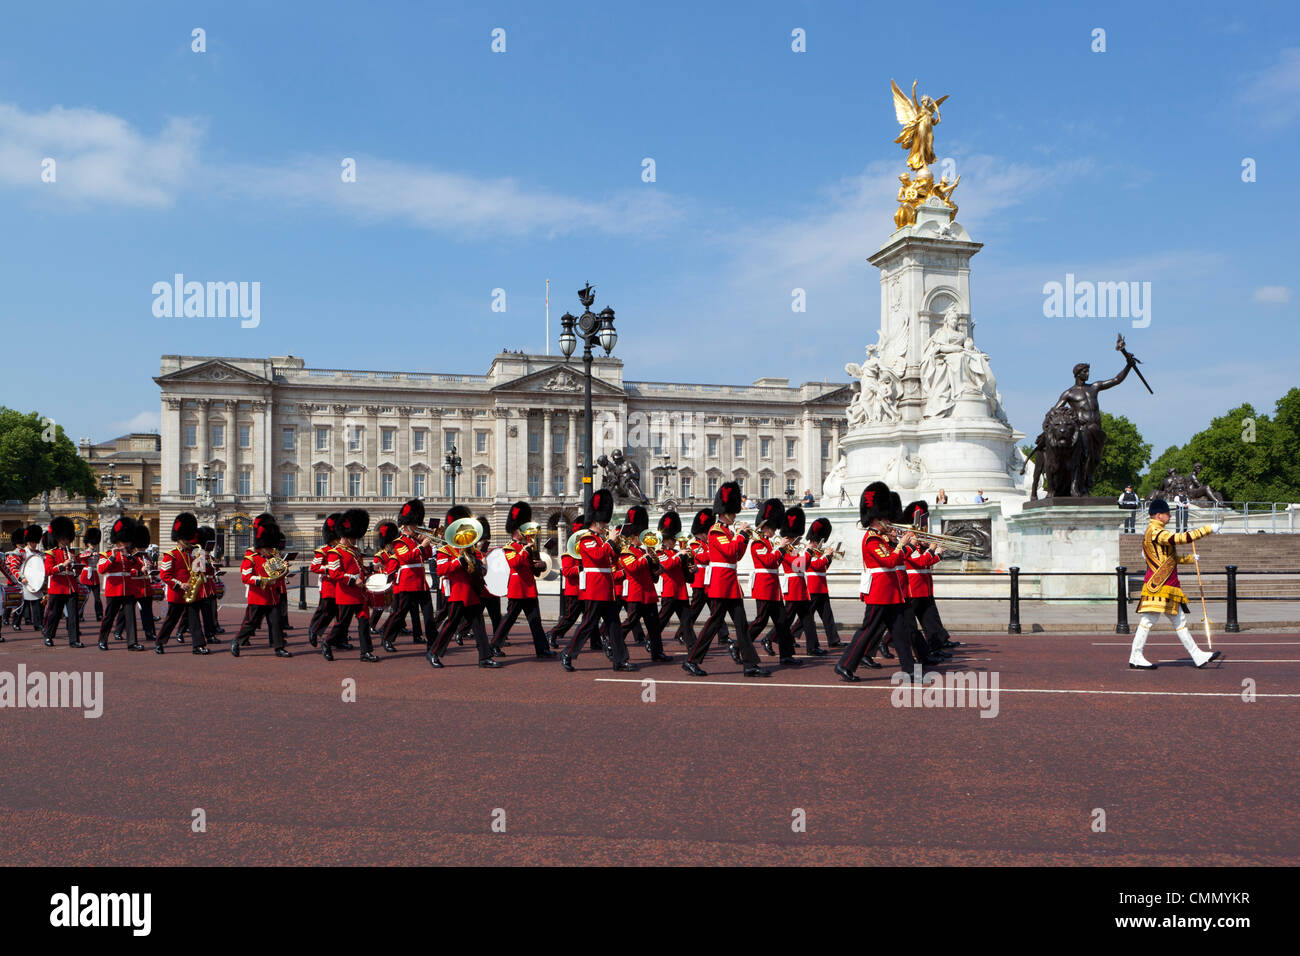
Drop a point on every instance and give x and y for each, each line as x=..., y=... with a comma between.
x=411, y=595
x=521, y=589
x=208, y=592
x=263, y=591
x=794, y=570
x=570, y=601
x=347, y=571
x=598, y=557
x=921, y=608
x=139, y=588
x=90, y=570
x=326, y=608
x=881, y=595
x=61, y=582
x=768, y=558
x=460, y=564
x=641, y=567
x=819, y=592
x=32, y=607
x=175, y=568
x=674, y=597
x=114, y=569
x=13, y=565
x=726, y=547
x=700, y=599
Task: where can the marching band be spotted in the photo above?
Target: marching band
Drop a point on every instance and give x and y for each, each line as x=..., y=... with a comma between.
x=614, y=580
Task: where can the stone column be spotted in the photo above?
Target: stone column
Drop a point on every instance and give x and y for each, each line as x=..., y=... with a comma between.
x=811, y=457
x=501, y=458
x=338, y=451
x=547, y=452
x=203, y=453
x=370, y=451
x=172, y=448
x=571, y=455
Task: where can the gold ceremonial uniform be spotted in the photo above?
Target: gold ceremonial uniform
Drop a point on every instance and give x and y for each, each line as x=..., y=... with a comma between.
x=1161, y=590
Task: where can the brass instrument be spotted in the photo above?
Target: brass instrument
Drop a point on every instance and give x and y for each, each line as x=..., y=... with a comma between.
x=650, y=540
x=461, y=536
x=571, y=546
x=949, y=542
x=198, y=575
x=276, y=567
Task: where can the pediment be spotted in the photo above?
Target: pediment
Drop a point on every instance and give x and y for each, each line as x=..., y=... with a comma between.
x=840, y=395
x=558, y=379
x=214, y=370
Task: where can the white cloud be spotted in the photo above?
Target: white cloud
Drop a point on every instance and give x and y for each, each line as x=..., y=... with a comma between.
x=1273, y=294
x=1276, y=90
x=98, y=157
x=146, y=421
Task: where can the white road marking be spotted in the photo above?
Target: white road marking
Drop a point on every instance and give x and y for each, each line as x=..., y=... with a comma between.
x=1224, y=644
x=843, y=685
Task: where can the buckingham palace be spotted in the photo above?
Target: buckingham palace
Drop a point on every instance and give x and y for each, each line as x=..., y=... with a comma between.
x=245, y=435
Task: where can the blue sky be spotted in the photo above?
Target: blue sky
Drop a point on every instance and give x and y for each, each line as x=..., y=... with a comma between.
x=775, y=170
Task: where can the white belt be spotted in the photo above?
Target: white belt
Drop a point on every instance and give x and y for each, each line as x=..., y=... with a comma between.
x=816, y=574
x=708, y=573
x=764, y=570
x=719, y=564
x=864, y=582
x=925, y=571
x=115, y=574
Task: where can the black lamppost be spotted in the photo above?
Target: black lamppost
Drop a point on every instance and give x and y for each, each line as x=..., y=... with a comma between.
x=451, y=465
x=667, y=469
x=592, y=329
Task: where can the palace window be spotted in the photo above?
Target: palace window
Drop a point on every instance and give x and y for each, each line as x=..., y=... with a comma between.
x=190, y=485
x=322, y=438
x=557, y=485
x=713, y=485
x=245, y=436
x=659, y=486
x=765, y=488
x=218, y=436
x=534, y=485
x=738, y=445
x=354, y=437
x=480, y=442
x=322, y=484
x=765, y=448
x=387, y=438
x=480, y=486
x=417, y=484
x=449, y=439
x=286, y=439
x=713, y=446
x=686, y=446
x=417, y=441
x=386, y=484
x=354, y=484
x=288, y=484
x=191, y=436
x=534, y=442
x=790, y=447
x=219, y=482
x=245, y=485
x=789, y=488
x=826, y=448
x=686, y=486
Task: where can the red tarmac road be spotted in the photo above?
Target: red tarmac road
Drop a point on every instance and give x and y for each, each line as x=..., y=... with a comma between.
x=711, y=772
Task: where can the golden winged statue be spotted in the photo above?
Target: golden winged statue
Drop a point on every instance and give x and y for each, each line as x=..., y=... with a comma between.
x=918, y=119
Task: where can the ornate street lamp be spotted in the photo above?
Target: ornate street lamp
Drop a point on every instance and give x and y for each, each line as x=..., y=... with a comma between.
x=593, y=329
x=451, y=466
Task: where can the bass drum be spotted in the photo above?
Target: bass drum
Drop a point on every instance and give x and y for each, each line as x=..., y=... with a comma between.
x=33, y=569
x=497, y=578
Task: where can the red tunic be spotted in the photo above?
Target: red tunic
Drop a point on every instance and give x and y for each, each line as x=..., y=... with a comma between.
x=320, y=564
x=767, y=570
x=347, y=574
x=89, y=571
x=112, y=569
x=523, y=582
x=174, y=569
x=879, y=582
x=570, y=571
x=815, y=576
x=673, y=578
x=597, y=580
x=796, y=584
x=919, y=563
x=726, y=548
x=408, y=561
x=252, y=567
x=640, y=579
x=700, y=549
x=59, y=582
x=460, y=585
x=139, y=585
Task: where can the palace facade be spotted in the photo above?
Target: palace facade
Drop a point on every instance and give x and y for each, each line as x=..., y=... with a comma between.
x=273, y=434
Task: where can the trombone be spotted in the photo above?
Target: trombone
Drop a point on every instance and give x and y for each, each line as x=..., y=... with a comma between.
x=949, y=542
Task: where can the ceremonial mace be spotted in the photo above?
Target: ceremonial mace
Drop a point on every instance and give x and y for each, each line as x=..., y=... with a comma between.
x=1205, y=613
x=1123, y=350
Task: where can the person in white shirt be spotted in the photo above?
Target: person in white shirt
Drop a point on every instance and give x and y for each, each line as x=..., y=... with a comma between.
x=1181, y=505
x=979, y=497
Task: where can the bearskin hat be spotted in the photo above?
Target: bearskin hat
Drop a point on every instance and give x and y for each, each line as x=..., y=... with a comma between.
x=47, y=540
x=207, y=534
x=17, y=537
x=793, y=524
x=487, y=531
x=388, y=532
x=874, y=503
x=520, y=513
x=670, y=524
x=266, y=536
x=264, y=518
x=576, y=525
x=281, y=540
x=354, y=524
x=602, y=506
x=702, y=522
x=140, y=537
x=331, y=527
x=820, y=530
x=895, y=507
x=638, y=520
x=917, y=513
x=34, y=534
x=62, y=528
x=1158, y=506
x=121, y=531
x=456, y=512
x=93, y=536
x=186, y=527
x=771, y=513
x=412, y=513
x=728, y=500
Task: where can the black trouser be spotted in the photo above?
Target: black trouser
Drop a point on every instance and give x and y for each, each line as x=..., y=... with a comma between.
x=58, y=603
x=699, y=599
x=722, y=607
x=116, y=607
x=284, y=609
x=775, y=611
x=926, y=613
x=821, y=606
x=799, y=615
x=629, y=624
x=877, y=621
x=1180, y=519
x=569, y=615
x=254, y=614
x=460, y=614
x=594, y=614
x=414, y=603
x=440, y=615
x=176, y=611
x=35, y=613
x=208, y=614
x=339, y=635
x=492, y=604
x=647, y=611
x=529, y=607
x=326, y=611
x=1130, y=521
x=670, y=606
x=128, y=616
x=99, y=605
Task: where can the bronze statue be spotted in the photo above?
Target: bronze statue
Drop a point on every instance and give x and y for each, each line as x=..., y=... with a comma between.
x=622, y=477
x=1069, y=448
x=1198, y=492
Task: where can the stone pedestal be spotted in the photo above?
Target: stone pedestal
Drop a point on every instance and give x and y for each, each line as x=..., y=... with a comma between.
x=1066, y=538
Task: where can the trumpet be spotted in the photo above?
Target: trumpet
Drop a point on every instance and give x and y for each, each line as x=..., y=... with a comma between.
x=949, y=542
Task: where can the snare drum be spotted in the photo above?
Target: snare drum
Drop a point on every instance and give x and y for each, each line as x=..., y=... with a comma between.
x=379, y=590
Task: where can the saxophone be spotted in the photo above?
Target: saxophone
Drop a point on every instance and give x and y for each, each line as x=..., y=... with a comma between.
x=198, y=575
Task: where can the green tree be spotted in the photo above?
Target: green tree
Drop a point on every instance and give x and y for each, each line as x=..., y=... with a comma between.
x=36, y=456
x=1123, y=458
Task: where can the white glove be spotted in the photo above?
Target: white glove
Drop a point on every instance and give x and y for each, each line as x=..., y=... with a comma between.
x=1216, y=527
x=1196, y=557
